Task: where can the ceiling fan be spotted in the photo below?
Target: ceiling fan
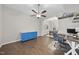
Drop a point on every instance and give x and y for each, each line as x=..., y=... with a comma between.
x=37, y=13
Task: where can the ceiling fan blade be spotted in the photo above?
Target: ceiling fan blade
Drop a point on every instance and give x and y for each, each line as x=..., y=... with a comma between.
x=34, y=11
x=43, y=15
x=44, y=11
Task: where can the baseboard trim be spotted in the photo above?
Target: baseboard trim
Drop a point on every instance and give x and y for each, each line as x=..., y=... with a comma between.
x=9, y=42
x=0, y=45
x=13, y=42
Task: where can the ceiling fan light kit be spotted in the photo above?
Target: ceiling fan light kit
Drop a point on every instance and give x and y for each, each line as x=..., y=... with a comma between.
x=38, y=15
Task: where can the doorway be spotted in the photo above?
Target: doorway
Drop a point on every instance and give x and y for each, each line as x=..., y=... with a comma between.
x=48, y=25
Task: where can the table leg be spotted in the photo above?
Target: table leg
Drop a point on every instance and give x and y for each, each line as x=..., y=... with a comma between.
x=73, y=47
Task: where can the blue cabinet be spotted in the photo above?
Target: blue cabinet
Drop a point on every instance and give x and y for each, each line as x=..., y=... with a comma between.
x=28, y=36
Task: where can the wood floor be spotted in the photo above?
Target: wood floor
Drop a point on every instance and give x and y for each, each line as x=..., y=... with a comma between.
x=37, y=46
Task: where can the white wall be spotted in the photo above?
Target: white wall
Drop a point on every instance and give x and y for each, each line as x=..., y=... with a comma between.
x=44, y=30
x=15, y=22
x=62, y=25
x=67, y=23
x=0, y=24
x=51, y=23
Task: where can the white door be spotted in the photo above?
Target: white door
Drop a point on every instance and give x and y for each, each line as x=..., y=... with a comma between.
x=0, y=24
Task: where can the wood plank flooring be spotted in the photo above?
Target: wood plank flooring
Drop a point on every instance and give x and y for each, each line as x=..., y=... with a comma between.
x=37, y=46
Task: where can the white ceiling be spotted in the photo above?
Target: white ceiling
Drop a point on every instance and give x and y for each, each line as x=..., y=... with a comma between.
x=52, y=9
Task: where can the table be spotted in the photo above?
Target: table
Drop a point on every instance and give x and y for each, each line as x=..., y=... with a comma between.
x=72, y=42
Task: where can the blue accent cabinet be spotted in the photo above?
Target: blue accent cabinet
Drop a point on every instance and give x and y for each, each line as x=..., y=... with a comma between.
x=25, y=36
